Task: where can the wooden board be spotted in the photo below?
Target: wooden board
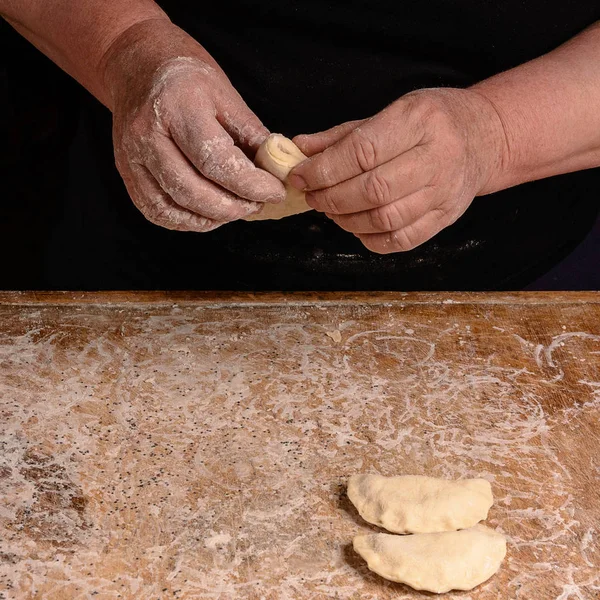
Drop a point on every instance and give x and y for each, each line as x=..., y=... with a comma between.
x=196, y=446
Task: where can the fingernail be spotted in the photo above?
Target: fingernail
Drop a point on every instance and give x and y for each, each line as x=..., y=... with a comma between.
x=297, y=182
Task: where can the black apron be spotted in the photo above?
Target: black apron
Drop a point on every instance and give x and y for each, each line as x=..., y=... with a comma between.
x=304, y=66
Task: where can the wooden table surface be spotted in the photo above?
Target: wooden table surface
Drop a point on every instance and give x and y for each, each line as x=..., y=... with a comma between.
x=197, y=446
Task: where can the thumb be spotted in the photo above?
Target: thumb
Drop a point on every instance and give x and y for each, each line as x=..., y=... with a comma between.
x=317, y=142
x=245, y=128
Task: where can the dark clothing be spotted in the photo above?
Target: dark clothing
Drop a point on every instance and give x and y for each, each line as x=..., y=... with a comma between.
x=304, y=67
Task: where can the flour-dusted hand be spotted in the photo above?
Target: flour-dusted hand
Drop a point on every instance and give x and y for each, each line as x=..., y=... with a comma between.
x=183, y=136
x=397, y=179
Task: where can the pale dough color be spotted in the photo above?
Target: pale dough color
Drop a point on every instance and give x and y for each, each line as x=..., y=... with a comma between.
x=418, y=504
x=436, y=562
x=279, y=155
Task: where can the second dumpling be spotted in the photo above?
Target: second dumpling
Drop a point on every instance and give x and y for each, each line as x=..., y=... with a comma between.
x=437, y=562
x=418, y=504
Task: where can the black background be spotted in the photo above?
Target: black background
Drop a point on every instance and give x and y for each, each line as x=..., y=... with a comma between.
x=67, y=222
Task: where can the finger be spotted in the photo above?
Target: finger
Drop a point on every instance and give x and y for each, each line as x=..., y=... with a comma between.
x=212, y=151
x=189, y=189
x=317, y=142
x=156, y=205
x=369, y=145
x=409, y=237
x=242, y=124
x=388, y=218
x=387, y=183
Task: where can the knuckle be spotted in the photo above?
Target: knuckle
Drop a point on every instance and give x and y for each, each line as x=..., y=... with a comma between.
x=443, y=214
x=377, y=189
x=363, y=149
x=328, y=202
x=221, y=207
x=157, y=214
x=345, y=223
x=423, y=157
x=425, y=104
x=246, y=127
x=404, y=240
x=430, y=110
x=209, y=225
x=155, y=219
x=199, y=223
x=319, y=172
x=382, y=219
x=396, y=241
x=214, y=157
x=183, y=197
x=175, y=219
x=376, y=243
x=186, y=222
x=444, y=124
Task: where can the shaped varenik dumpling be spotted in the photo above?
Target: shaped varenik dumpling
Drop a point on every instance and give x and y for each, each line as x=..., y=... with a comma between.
x=279, y=155
x=418, y=504
x=436, y=562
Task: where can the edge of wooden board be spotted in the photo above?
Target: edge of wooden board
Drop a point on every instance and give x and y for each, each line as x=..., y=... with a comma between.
x=292, y=298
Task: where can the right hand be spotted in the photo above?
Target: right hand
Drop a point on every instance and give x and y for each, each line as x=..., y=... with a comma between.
x=182, y=134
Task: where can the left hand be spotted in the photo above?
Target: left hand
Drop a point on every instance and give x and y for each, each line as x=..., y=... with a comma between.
x=397, y=179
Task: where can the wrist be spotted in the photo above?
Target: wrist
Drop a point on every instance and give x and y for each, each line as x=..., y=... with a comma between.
x=131, y=63
x=493, y=147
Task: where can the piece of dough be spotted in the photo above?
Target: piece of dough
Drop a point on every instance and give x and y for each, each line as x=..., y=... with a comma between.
x=279, y=155
x=436, y=562
x=418, y=504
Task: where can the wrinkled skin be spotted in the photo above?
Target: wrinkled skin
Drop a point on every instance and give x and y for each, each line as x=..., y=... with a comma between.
x=397, y=179
x=184, y=138
x=182, y=132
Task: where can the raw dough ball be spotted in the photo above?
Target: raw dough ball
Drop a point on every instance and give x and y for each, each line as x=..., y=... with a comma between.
x=279, y=155
x=436, y=562
x=417, y=504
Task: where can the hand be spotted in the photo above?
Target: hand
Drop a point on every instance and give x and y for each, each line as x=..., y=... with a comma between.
x=397, y=179
x=182, y=134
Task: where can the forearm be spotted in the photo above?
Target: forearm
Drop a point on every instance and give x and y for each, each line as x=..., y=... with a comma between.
x=77, y=35
x=550, y=113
